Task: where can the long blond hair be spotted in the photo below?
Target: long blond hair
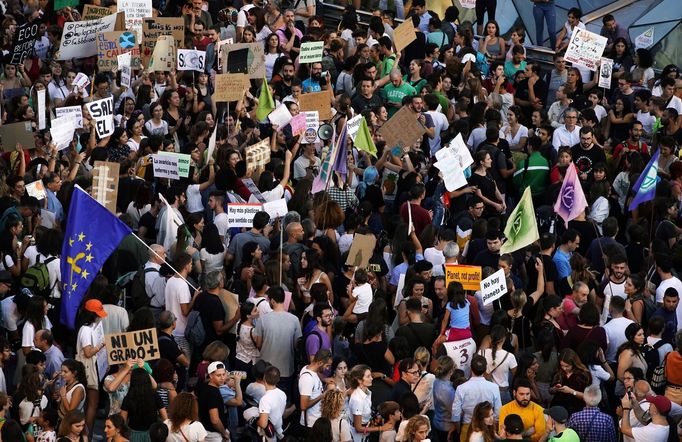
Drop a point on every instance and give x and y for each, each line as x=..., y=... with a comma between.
x=332, y=404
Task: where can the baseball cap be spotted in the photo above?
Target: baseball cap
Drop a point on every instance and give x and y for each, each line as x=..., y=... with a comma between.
x=557, y=413
x=95, y=306
x=213, y=366
x=662, y=403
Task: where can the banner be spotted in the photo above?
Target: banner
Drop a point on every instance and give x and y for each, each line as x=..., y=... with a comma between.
x=257, y=155
x=79, y=38
x=605, y=72
x=135, y=12
x=153, y=28
x=244, y=58
x=585, y=49
x=76, y=111
x=493, y=287
x=241, y=214
x=191, y=60
x=24, y=42
x=311, y=52
x=165, y=166
x=140, y=344
x=92, y=12
x=103, y=113
x=468, y=276
x=163, y=57
x=124, y=61
x=112, y=44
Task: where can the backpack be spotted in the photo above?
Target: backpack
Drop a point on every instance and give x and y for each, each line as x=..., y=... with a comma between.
x=138, y=292
x=649, y=308
x=37, y=278
x=301, y=352
x=652, y=358
x=195, y=332
x=658, y=381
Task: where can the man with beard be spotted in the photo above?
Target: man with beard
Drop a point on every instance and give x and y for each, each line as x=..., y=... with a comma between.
x=571, y=305
x=315, y=82
x=366, y=98
x=633, y=144
x=587, y=153
x=531, y=413
x=282, y=87
x=605, y=244
x=290, y=36
x=318, y=338
x=613, y=283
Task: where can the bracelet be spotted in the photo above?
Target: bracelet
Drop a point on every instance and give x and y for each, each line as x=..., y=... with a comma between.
x=626, y=408
x=575, y=393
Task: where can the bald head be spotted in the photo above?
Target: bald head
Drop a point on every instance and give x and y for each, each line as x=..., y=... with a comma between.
x=642, y=388
x=158, y=253
x=295, y=232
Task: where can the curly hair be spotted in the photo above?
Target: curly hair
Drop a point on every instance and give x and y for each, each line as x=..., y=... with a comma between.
x=184, y=407
x=332, y=404
x=413, y=426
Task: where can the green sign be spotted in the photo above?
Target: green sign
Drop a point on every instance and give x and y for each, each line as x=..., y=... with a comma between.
x=61, y=4
x=184, y=161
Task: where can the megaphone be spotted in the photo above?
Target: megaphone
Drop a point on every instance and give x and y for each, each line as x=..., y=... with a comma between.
x=325, y=132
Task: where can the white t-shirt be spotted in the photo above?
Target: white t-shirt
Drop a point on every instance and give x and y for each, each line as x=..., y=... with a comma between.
x=194, y=432
x=664, y=285
x=270, y=195
x=515, y=139
x=662, y=350
x=212, y=262
x=31, y=253
x=435, y=257
x=177, y=292
x=54, y=269
x=364, y=296
x=615, y=336
x=504, y=362
x=600, y=112
x=647, y=121
x=153, y=129
x=27, y=410
x=241, y=16
x=262, y=305
x=9, y=314
x=441, y=124
x=135, y=213
x=193, y=194
x=309, y=384
x=341, y=429
x=676, y=103
x=274, y=402
x=599, y=375
x=29, y=332
x=221, y=222
x=651, y=433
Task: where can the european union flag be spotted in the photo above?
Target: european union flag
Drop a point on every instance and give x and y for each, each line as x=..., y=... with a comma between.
x=92, y=234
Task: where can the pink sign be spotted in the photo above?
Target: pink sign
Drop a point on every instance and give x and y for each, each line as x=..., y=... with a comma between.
x=298, y=124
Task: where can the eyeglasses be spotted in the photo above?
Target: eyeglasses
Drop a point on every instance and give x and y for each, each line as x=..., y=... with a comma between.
x=412, y=371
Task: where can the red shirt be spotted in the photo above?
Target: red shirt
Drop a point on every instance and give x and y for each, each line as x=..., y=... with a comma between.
x=640, y=147
x=420, y=216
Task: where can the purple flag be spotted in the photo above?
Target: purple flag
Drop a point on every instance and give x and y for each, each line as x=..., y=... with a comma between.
x=571, y=202
x=340, y=164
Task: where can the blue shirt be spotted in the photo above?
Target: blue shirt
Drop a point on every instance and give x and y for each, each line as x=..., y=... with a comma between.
x=402, y=268
x=593, y=426
x=563, y=267
x=459, y=317
x=471, y=393
x=443, y=397
x=310, y=85
x=424, y=20
x=54, y=205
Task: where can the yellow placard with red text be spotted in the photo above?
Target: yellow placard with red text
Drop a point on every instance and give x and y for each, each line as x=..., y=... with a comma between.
x=468, y=276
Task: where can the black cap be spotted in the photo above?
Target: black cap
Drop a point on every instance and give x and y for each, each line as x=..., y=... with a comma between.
x=558, y=413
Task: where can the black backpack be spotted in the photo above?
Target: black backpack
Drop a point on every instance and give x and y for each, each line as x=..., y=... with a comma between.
x=138, y=292
x=301, y=352
x=649, y=308
x=652, y=358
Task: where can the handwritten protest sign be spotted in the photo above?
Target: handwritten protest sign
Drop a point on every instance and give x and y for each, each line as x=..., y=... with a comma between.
x=165, y=166
x=153, y=28
x=402, y=129
x=297, y=124
x=403, y=35
x=280, y=116
x=124, y=62
x=82, y=81
x=230, y=87
x=11, y=134
x=458, y=149
x=244, y=58
x=36, y=190
x=241, y=215
x=361, y=250
x=461, y=353
x=645, y=39
x=105, y=184
x=140, y=344
x=257, y=155
x=191, y=60
x=163, y=57
x=112, y=44
x=353, y=126
x=79, y=38
x=468, y=276
x=103, y=113
x=585, y=49
x=23, y=45
x=135, y=13
x=493, y=287
x=312, y=124
x=62, y=129
x=311, y=52
x=605, y=72
x=92, y=12
x=316, y=101
x=76, y=111
x=184, y=161
x=453, y=175
x=277, y=208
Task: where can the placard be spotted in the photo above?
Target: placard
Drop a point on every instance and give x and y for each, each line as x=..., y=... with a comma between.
x=316, y=101
x=244, y=58
x=402, y=129
x=102, y=111
x=191, y=60
x=645, y=39
x=61, y=4
x=311, y=52
x=184, y=162
x=585, y=49
x=361, y=250
x=105, y=184
x=165, y=167
x=220, y=53
x=112, y=44
x=36, y=190
x=353, y=126
x=23, y=45
x=153, y=28
x=135, y=12
x=76, y=111
x=453, y=174
x=280, y=116
x=468, y=4
x=461, y=353
x=230, y=87
x=241, y=214
x=163, y=57
x=42, y=118
x=11, y=134
x=92, y=12
x=257, y=155
x=468, y=276
x=277, y=208
x=494, y=287
x=62, y=129
x=79, y=38
x=140, y=344
x=458, y=149
x=403, y=35
x=605, y=72
x=81, y=80
x=255, y=191
x=312, y=125
x=298, y=124
x=124, y=67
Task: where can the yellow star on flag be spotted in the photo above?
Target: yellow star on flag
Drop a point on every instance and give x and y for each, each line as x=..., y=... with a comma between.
x=88, y=258
x=71, y=242
x=88, y=246
x=74, y=286
x=85, y=274
x=81, y=237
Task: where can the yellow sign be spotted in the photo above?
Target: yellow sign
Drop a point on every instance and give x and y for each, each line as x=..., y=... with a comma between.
x=468, y=276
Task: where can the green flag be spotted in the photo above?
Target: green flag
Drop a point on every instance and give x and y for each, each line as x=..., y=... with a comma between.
x=522, y=227
x=363, y=139
x=265, y=102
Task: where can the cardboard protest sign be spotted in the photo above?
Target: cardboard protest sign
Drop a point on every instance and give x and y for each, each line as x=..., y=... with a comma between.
x=105, y=184
x=61, y=4
x=312, y=124
x=163, y=57
x=79, y=38
x=36, y=190
x=24, y=42
x=277, y=208
x=241, y=215
x=280, y=116
x=112, y=44
x=403, y=35
x=102, y=111
x=184, y=161
x=11, y=134
x=81, y=80
x=585, y=49
x=220, y=52
x=165, y=166
x=311, y=52
x=92, y=12
x=230, y=87
x=402, y=129
x=135, y=12
x=62, y=129
x=124, y=62
x=494, y=287
x=191, y=60
x=257, y=155
x=244, y=58
x=76, y=111
x=461, y=353
x=361, y=250
x=605, y=72
x=316, y=101
x=297, y=124
x=153, y=28
x=468, y=276
x=140, y=344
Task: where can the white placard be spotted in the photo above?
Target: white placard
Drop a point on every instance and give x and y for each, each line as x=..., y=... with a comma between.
x=76, y=111
x=585, y=49
x=124, y=61
x=211, y=144
x=166, y=166
x=135, y=12
x=353, y=126
x=102, y=111
x=645, y=39
x=36, y=190
x=62, y=130
x=461, y=353
x=241, y=214
x=453, y=174
x=42, y=118
x=399, y=291
x=102, y=362
x=468, y=4
x=220, y=55
x=79, y=38
x=605, y=72
x=311, y=52
x=277, y=208
x=191, y=60
x=280, y=116
x=312, y=124
x=82, y=81
x=493, y=287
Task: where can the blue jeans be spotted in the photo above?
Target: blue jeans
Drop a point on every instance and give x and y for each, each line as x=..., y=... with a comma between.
x=547, y=12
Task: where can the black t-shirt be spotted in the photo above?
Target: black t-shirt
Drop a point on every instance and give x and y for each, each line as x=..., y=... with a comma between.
x=149, y=222
x=210, y=309
x=418, y=335
x=209, y=398
x=586, y=159
x=400, y=389
x=139, y=417
x=373, y=195
x=486, y=258
x=372, y=354
x=168, y=347
x=549, y=270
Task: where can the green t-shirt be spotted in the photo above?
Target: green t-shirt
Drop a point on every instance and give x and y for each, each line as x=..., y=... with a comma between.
x=396, y=94
x=386, y=65
x=568, y=435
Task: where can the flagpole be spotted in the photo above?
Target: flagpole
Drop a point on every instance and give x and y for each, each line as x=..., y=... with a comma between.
x=281, y=245
x=164, y=261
